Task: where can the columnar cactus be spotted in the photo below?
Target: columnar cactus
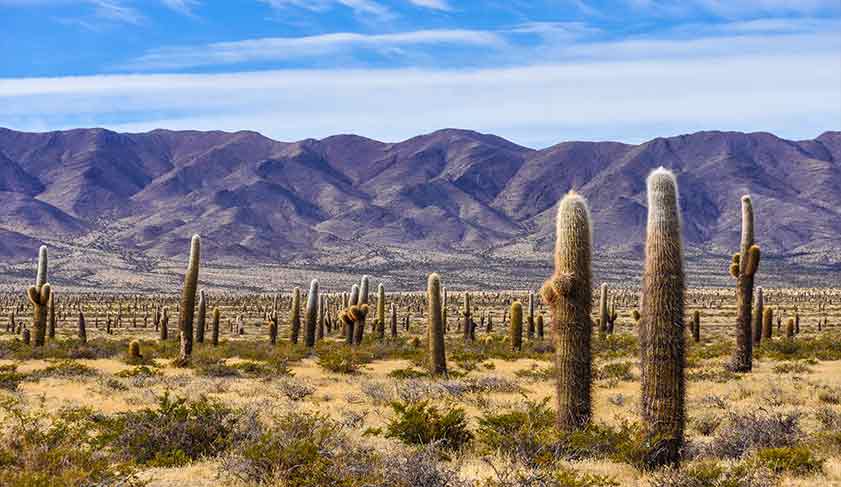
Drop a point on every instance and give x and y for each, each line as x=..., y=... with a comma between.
x=466, y=315
x=540, y=325
x=39, y=296
x=661, y=324
x=435, y=327
x=51, y=318
x=790, y=328
x=757, y=317
x=312, y=314
x=214, y=327
x=380, y=311
x=767, y=323
x=603, y=319
x=516, y=328
x=83, y=334
x=743, y=268
x=164, y=324
x=696, y=326
x=530, y=318
x=569, y=297
x=322, y=319
x=295, y=316
x=363, y=290
x=188, y=300
x=393, y=320
x=201, y=317
x=134, y=350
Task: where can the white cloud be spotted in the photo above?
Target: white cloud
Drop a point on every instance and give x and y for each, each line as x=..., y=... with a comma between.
x=109, y=10
x=284, y=48
x=533, y=105
x=433, y=4
x=359, y=7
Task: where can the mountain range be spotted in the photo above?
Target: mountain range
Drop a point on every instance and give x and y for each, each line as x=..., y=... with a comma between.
x=451, y=191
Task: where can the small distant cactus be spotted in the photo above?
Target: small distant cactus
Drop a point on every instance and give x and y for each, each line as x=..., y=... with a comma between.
x=393, y=320
x=295, y=316
x=214, y=327
x=380, y=311
x=311, y=314
x=603, y=319
x=201, y=318
x=569, y=297
x=696, y=326
x=756, y=324
x=661, y=325
x=790, y=328
x=51, y=319
x=83, y=334
x=134, y=350
x=743, y=268
x=39, y=296
x=435, y=327
x=26, y=336
x=164, y=324
x=466, y=317
x=530, y=323
x=516, y=328
x=540, y=326
x=188, y=300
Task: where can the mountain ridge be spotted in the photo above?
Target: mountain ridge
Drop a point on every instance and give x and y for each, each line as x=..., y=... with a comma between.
x=450, y=191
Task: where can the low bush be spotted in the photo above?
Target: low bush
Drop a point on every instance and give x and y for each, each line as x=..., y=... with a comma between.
x=795, y=460
x=420, y=423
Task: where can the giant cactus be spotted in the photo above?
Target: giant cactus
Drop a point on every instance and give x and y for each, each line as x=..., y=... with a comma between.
x=201, y=318
x=214, y=327
x=380, y=311
x=295, y=316
x=568, y=295
x=188, y=300
x=757, y=317
x=311, y=314
x=435, y=327
x=530, y=317
x=743, y=268
x=39, y=296
x=662, y=325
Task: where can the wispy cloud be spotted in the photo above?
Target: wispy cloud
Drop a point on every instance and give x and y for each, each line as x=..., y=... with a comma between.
x=184, y=7
x=284, y=48
x=433, y=4
x=117, y=11
x=359, y=7
x=735, y=9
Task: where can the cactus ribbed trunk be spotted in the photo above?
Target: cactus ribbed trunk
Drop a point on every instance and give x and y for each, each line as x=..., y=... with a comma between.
x=696, y=326
x=312, y=314
x=83, y=333
x=214, y=327
x=530, y=317
x=51, y=317
x=790, y=328
x=39, y=296
x=743, y=269
x=188, y=300
x=435, y=327
x=662, y=326
x=540, y=326
x=569, y=297
x=322, y=319
x=756, y=325
x=603, y=320
x=466, y=317
x=164, y=324
x=380, y=311
x=295, y=316
x=201, y=317
x=516, y=328
x=393, y=320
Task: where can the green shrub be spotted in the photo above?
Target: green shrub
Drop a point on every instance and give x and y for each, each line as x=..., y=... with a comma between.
x=408, y=373
x=615, y=371
x=792, y=368
x=174, y=432
x=65, y=369
x=340, y=361
x=796, y=460
x=419, y=423
x=10, y=378
x=139, y=371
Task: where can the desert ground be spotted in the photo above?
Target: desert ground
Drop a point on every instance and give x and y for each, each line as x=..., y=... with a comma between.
x=249, y=412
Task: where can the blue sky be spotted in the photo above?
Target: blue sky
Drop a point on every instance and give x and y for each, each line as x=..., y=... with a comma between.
x=537, y=72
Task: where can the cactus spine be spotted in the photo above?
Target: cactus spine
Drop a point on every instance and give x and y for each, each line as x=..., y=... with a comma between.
x=312, y=314
x=295, y=318
x=516, y=329
x=201, y=318
x=435, y=327
x=39, y=296
x=661, y=324
x=743, y=269
x=757, y=317
x=188, y=300
x=569, y=297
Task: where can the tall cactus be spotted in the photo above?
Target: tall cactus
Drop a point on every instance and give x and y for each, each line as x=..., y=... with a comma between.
x=380, y=311
x=767, y=323
x=322, y=318
x=435, y=327
x=393, y=320
x=466, y=315
x=661, y=324
x=363, y=289
x=51, y=318
x=516, y=328
x=201, y=318
x=757, y=317
x=295, y=316
x=569, y=297
x=214, y=327
x=743, y=268
x=603, y=319
x=164, y=324
x=312, y=314
x=696, y=326
x=39, y=296
x=530, y=317
x=188, y=300
x=83, y=333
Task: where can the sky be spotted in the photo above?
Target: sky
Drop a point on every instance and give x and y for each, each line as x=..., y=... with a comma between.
x=536, y=72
